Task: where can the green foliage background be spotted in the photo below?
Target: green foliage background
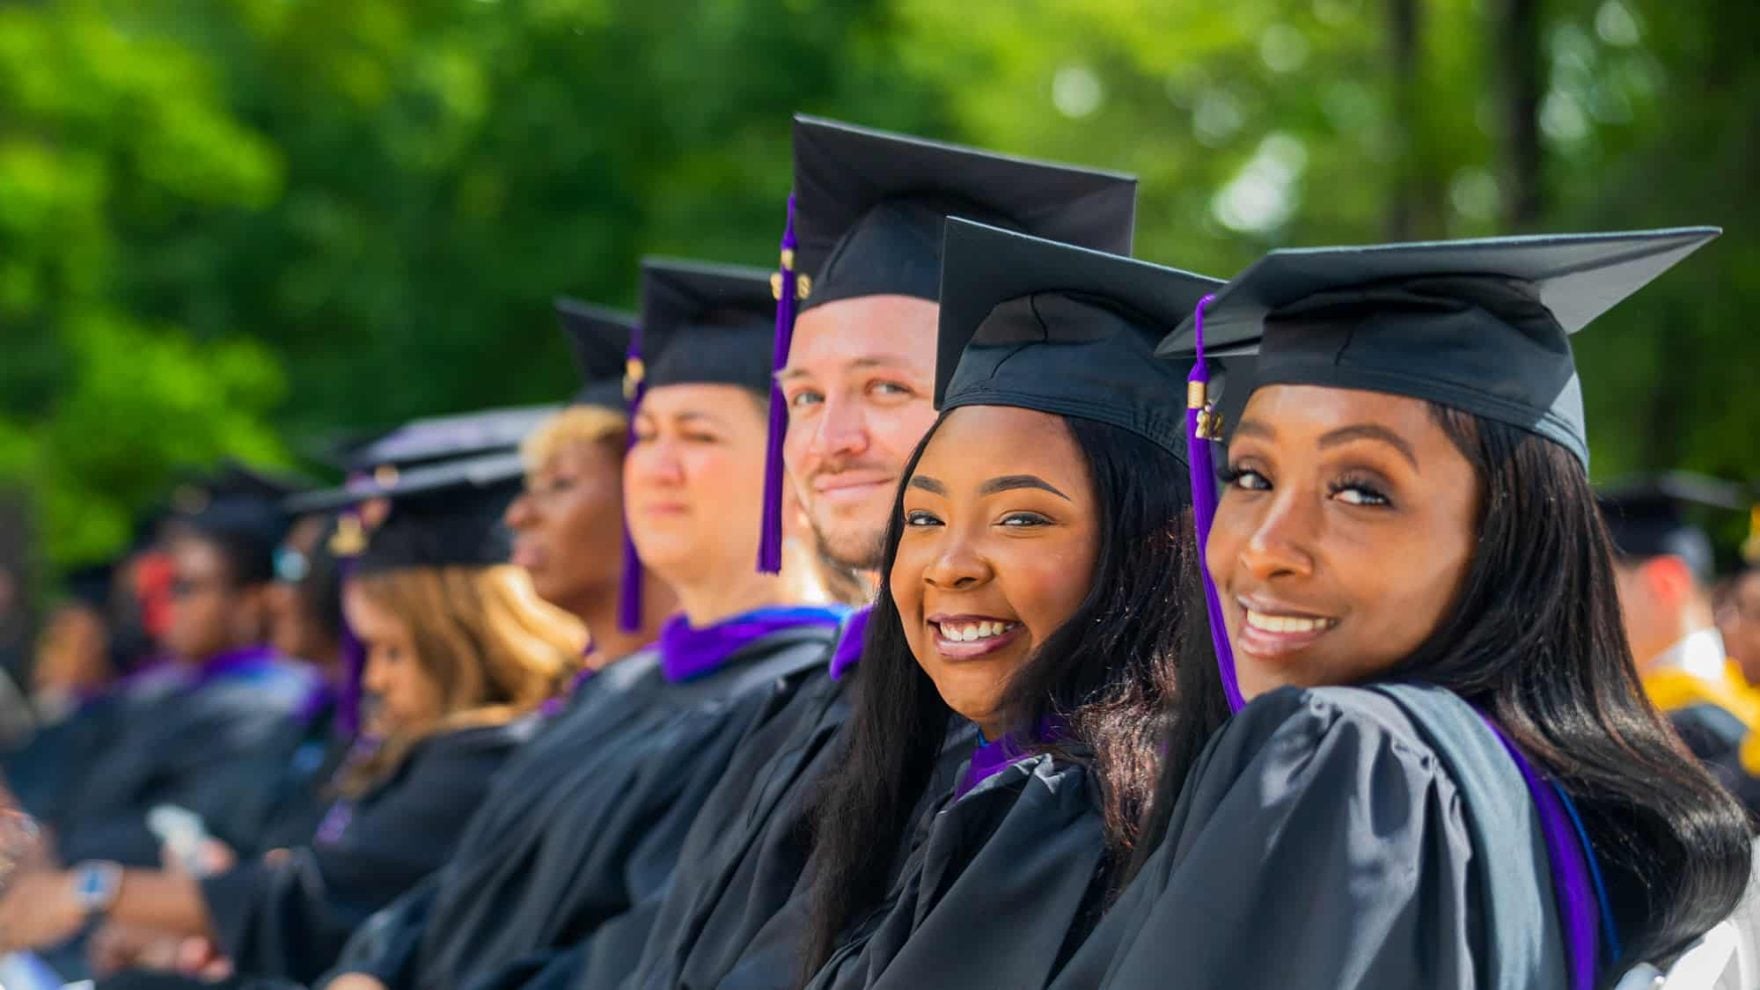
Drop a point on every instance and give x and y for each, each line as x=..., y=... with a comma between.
x=236, y=227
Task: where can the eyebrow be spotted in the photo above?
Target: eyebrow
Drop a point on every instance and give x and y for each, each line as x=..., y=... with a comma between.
x=1014, y=482
x=1342, y=435
x=859, y=364
x=1006, y=483
x=696, y=417
x=1370, y=431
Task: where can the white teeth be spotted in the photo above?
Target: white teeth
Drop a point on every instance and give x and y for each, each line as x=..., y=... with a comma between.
x=968, y=632
x=1287, y=623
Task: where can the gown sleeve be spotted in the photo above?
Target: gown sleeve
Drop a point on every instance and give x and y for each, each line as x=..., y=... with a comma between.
x=387, y=944
x=1314, y=846
x=1004, y=884
x=292, y=918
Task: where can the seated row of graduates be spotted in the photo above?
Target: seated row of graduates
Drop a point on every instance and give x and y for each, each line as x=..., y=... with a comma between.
x=1366, y=718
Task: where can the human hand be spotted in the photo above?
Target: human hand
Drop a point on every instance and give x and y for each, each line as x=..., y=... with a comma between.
x=39, y=909
x=354, y=981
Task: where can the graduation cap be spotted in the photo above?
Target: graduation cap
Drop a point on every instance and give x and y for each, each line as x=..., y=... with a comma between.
x=1478, y=325
x=870, y=205
x=704, y=324
x=1040, y=325
x=865, y=219
x=439, y=438
x=442, y=514
x=1651, y=516
x=599, y=339
x=701, y=323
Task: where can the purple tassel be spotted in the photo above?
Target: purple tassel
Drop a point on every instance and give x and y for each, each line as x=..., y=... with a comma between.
x=770, y=540
x=354, y=656
x=1203, y=475
x=354, y=664
x=629, y=598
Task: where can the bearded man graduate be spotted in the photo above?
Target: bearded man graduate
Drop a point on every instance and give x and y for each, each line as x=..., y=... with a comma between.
x=857, y=382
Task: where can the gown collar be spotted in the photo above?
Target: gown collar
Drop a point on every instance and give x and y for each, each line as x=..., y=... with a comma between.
x=231, y=663
x=991, y=758
x=687, y=653
x=849, y=642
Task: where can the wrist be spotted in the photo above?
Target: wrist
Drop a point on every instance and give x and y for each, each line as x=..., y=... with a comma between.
x=96, y=886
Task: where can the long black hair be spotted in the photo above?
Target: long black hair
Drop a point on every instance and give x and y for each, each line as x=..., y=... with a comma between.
x=1535, y=639
x=1107, y=672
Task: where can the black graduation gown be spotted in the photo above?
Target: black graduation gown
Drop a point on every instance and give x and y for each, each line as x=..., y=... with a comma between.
x=589, y=846
x=1341, y=838
x=746, y=852
x=291, y=919
x=43, y=772
x=212, y=748
x=1000, y=887
x=737, y=909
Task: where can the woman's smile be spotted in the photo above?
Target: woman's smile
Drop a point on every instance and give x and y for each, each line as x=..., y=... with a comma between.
x=962, y=637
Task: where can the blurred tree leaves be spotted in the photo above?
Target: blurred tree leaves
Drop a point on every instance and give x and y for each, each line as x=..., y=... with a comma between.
x=224, y=222
x=105, y=139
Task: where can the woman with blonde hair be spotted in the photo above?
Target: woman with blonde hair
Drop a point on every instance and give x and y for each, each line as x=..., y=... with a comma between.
x=459, y=651
x=568, y=523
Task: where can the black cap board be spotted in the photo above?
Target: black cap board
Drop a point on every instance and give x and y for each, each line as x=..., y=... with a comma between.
x=599, y=339
x=869, y=207
x=1478, y=325
x=1040, y=325
x=1652, y=516
x=705, y=324
x=442, y=514
x=438, y=438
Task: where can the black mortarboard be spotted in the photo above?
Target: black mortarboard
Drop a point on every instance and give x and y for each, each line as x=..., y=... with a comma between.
x=865, y=219
x=1032, y=323
x=705, y=324
x=1478, y=325
x=442, y=514
x=869, y=206
x=1651, y=517
x=439, y=438
x=249, y=526
x=599, y=339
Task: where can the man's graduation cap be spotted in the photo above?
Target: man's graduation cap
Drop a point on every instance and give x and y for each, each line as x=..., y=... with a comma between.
x=598, y=338
x=240, y=507
x=1654, y=516
x=1032, y=323
x=1478, y=325
x=866, y=219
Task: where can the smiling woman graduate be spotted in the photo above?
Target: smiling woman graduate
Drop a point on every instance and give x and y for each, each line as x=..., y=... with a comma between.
x=1446, y=773
x=586, y=834
x=1041, y=585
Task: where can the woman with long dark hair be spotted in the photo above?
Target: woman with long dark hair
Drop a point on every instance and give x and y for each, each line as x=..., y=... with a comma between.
x=1040, y=583
x=1445, y=773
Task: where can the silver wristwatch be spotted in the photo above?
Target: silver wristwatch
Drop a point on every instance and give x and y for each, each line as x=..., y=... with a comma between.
x=96, y=886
